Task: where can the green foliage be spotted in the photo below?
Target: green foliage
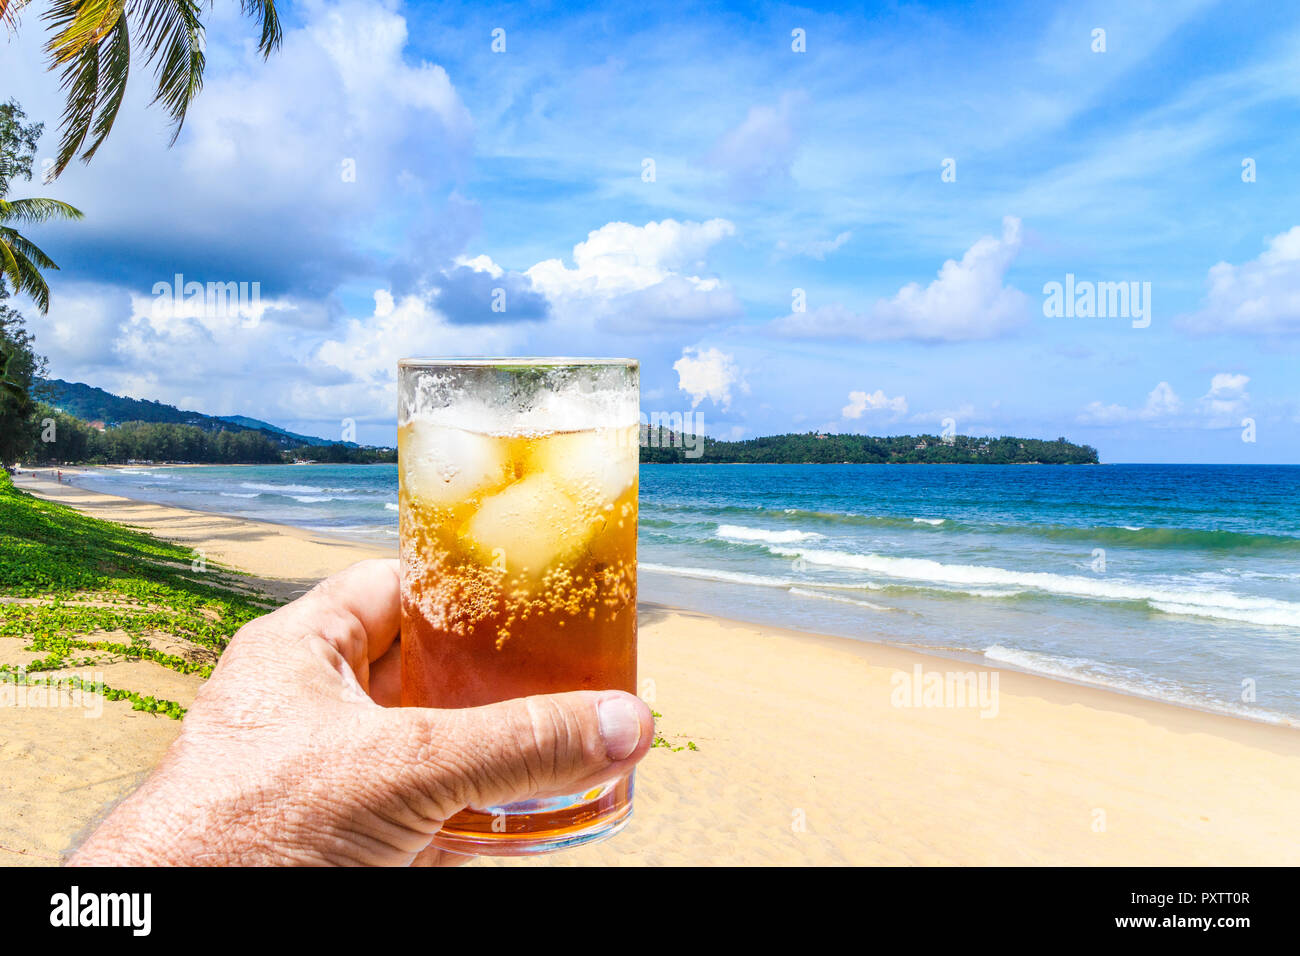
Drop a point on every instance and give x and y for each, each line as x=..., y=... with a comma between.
x=77, y=441
x=70, y=584
x=94, y=404
x=662, y=741
x=663, y=446
x=19, y=363
x=342, y=454
x=21, y=260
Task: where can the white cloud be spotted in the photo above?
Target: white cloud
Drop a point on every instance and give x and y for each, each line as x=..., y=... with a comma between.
x=968, y=300
x=636, y=277
x=861, y=403
x=1162, y=403
x=1226, y=401
x=708, y=373
x=1221, y=407
x=1261, y=296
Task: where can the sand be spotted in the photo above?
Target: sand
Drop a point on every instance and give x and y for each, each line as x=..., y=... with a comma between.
x=806, y=752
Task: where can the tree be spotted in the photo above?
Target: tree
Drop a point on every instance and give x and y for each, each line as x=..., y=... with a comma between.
x=19, y=364
x=21, y=260
x=91, y=44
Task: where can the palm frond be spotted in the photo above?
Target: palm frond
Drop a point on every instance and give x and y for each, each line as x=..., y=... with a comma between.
x=271, y=33
x=22, y=246
x=9, y=13
x=173, y=35
x=36, y=210
x=114, y=68
x=77, y=24
x=23, y=275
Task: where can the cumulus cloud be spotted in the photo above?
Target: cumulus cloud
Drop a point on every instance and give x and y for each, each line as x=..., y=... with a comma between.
x=1221, y=407
x=638, y=277
x=708, y=373
x=861, y=403
x=1261, y=296
x=968, y=300
x=1162, y=402
x=1225, y=403
x=260, y=186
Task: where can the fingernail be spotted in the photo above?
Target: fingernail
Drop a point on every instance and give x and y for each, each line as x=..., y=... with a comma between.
x=620, y=726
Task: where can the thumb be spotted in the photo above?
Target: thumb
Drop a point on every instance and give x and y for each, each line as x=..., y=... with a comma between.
x=521, y=749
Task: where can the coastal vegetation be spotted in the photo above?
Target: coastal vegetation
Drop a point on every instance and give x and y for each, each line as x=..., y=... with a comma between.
x=666, y=447
x=82, y=594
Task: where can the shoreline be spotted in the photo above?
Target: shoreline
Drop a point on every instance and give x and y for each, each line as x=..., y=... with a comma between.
x=812, y=749
x=363, y=546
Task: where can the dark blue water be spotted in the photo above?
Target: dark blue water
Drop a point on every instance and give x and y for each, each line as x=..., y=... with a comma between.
x=1175, y=581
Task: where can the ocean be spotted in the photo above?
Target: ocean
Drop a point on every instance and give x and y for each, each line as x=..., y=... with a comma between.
x=1177, y=582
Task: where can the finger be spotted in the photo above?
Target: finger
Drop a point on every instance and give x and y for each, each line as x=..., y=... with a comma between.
x=357, y=612
x=386, y=677
x=550, y=745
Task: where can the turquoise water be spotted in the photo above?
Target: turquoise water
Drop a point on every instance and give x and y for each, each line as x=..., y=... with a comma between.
x=1180, y=582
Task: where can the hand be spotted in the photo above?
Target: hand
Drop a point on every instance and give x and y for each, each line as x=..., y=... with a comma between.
x=296, y=753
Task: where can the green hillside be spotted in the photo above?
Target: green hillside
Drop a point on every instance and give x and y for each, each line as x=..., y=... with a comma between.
x=94, y=404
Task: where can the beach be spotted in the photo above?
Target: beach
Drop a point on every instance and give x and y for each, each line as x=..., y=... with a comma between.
x=809, y=749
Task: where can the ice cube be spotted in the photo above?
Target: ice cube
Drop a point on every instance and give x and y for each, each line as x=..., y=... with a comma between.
x=593, y=466
x=443, y=467
x=531, y=525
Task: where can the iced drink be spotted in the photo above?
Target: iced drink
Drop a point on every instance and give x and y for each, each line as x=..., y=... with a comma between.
x=518, y=510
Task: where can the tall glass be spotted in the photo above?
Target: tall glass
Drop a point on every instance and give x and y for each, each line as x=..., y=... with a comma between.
x=518, y=510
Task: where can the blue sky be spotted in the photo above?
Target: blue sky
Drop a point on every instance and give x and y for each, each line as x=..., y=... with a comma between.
x=798, y=260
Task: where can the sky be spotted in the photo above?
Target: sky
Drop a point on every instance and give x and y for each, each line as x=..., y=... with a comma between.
x=848, y=219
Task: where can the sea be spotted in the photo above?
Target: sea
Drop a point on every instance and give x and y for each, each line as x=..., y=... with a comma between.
x=1174, y=582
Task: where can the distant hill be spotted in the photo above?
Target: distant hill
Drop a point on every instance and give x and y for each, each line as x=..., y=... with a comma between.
x=94, y=404
x=660, y=445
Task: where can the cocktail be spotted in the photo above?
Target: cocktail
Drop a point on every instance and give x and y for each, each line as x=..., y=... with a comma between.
x=518, y=510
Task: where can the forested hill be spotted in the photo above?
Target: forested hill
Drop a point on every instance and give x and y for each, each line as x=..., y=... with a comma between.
x=94, y=404
x=664, y=446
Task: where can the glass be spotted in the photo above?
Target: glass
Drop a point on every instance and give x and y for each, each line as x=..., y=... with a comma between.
x=518, y=509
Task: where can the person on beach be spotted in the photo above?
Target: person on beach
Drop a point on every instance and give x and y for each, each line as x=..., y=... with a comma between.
x=295, y=751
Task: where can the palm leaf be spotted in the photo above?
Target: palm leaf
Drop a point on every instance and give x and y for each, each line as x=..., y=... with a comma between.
x=22, y=275
x=36, y=210
x=265, y=9
x=173, y=35
x=9, y=12
x=22, y=246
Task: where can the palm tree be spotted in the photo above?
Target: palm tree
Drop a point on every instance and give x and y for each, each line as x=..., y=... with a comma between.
x=21, y=260
x=91, y=44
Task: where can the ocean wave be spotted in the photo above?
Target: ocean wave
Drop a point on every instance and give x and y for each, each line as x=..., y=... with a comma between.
x=737, y=532
x=282, y=489
x=235, y=494
x=1125, y=680
x=313, y=499
x=1210, y=603
x=390, y=505
x=708, y=574
x=1128, y=535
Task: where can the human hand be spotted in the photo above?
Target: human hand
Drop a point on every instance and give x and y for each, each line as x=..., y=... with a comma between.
x=295, y=752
